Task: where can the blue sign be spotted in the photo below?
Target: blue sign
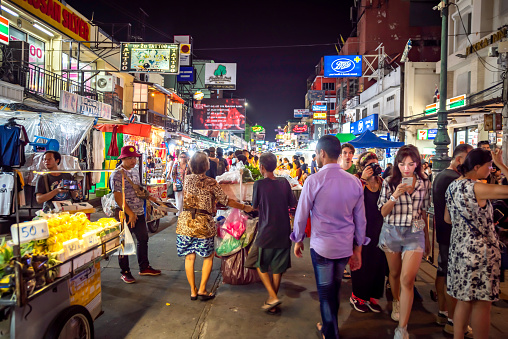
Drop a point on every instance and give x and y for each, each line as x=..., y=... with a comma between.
x=370, y=123
x=431, y=134
x=342, y=66
x=186, y=74
x=318, y=122
x=319, y=108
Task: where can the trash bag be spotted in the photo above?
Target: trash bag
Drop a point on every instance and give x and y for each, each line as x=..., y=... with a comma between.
x=236, y=223
x=129, y=246
x=233, y=176
x=227, y=246
x=234, y=271
x=108, y=204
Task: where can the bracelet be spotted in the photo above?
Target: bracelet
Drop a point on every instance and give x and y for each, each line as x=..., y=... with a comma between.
x=243, y=207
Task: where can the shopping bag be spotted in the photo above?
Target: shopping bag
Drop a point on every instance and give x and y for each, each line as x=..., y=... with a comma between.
x=108, y=204
x=234, y=271
x=128, y=247
x=236, y=223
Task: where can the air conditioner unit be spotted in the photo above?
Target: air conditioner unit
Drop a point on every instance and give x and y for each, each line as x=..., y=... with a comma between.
x=105, y=83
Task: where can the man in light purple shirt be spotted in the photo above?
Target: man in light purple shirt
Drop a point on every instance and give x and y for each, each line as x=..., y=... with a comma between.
x=334, y=200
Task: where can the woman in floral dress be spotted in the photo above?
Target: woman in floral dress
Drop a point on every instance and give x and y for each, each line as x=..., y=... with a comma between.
x=474, y=258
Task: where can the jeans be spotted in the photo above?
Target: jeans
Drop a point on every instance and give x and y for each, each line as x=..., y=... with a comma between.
x=328, y=274
x=141, y=234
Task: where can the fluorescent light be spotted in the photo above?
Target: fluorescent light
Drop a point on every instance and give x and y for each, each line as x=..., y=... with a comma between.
x=40, y=28
x=10, y=11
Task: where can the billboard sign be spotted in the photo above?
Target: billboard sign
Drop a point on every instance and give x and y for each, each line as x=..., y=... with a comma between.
x=319, y=108
x=73, y=103
x=300, y=128
x=301, y=113
x=186, y=75
x=185, y=42
x=219, y=115
x=427, y=134
x=220, y=76
x=319, y=122
x=316, y=95
x=257, y=129
x=320, y=115
x=319, y=131
x=370, y=123
x=149, y=58
x=342, y=66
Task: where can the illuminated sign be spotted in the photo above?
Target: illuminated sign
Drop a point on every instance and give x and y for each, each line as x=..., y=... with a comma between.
x=498, y=36
x=58, y=16
x=456, y=102
x=342, y=66
x=318, y=108
x=432, y=108
x=319, y=115
x=300, y=129
x=370, y=123
x=149, y=58
x=4, y=30
x=301, y=113
x=257, y=129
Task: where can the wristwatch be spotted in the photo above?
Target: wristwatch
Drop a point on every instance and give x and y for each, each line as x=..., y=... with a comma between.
x=392, y=198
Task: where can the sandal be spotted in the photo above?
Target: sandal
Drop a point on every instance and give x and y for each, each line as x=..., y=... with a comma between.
x=194, y=297
x=268, y=307
x=274, y=311
x=206, y=297
x=319, y=331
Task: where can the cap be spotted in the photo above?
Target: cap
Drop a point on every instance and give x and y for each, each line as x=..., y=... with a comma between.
x=128, y=151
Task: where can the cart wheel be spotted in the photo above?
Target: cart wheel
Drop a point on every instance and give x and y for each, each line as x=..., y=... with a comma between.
x=153, y=226
x=73, y=322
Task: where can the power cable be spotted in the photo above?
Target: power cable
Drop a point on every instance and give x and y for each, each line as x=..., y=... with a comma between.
x=261, y=47
x=484, y=63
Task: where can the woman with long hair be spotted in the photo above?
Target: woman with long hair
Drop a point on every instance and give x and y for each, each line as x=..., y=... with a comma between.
x=474, y=258
x=369, y=281
x=404, y=198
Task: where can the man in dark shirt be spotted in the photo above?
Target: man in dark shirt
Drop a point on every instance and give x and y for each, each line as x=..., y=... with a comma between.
x=304, y=167
x=273, y=197
x=443, y=234
x=313, y=165
x=50, y=187
x=212, y=171
x=388, y=171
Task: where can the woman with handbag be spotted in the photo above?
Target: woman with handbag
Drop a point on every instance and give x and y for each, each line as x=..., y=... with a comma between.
x=180, y=170
x=475, y=258
x=196, y=226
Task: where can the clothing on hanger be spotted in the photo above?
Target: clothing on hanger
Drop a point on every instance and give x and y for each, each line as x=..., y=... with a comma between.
x=10, y=145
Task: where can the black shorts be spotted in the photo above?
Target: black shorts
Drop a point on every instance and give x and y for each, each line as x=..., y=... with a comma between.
x=442, y=260
x=278, y=259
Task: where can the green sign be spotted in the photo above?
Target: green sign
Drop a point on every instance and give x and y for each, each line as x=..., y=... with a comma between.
x=4, y=30
x=257, y=129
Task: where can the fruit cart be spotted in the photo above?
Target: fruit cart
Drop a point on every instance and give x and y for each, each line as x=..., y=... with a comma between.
x=51, y=281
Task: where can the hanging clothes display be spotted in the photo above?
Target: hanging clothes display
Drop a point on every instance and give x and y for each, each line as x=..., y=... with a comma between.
x=97, y=154
x=113, y=147
x=10, y=145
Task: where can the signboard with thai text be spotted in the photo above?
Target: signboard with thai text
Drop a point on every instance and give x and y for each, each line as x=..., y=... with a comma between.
x=73, y=103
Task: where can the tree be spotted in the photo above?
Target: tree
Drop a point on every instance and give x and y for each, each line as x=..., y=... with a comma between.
x=247, y=132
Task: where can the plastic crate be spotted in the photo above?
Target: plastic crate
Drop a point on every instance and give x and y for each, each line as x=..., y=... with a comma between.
x=42, y=144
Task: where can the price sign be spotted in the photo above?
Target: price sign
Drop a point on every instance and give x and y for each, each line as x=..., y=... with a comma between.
x=71, y=248
x=28, y=231
x=91, y=239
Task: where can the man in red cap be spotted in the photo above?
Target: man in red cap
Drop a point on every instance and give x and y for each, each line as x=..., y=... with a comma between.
x=134, y=212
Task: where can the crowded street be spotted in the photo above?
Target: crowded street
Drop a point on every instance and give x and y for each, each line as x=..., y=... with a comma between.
x=334, y=169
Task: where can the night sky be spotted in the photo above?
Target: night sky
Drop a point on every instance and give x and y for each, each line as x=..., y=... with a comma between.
x=273, y=80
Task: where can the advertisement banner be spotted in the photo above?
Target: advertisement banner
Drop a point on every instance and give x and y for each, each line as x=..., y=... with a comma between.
x=150, y=58
x=219, y=114
x=370, y=123
x=258, y=129
x=300, y=128
x=319, y=115
x=319, y=108
x=319, y=122
x=343, y=66
x=73, y=103
x=316, y=95
x=319, y=131
x=220, y=76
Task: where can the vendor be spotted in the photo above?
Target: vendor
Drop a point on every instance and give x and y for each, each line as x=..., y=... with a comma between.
x=53, y=186
x=149, y=162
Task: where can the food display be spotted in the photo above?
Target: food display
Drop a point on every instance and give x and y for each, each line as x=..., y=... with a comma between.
x=256, y=174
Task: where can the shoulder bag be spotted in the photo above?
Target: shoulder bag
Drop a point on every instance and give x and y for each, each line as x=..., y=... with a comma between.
x=140, y=191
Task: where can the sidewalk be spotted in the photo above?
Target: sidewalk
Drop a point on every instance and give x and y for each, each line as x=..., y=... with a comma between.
x=159, y=307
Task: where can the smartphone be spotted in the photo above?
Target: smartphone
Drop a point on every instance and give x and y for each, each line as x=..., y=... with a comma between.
x=498, y=215
x=69, y=184
x=408, y=181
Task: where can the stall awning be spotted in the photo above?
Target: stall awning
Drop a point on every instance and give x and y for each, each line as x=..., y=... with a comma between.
x=140, y=130
x=369, y=140
x=172, y=96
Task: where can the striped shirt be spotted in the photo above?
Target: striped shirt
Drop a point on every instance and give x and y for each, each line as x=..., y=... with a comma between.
x=408, y=205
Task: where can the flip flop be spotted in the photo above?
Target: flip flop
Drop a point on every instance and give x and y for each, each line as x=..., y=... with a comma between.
x=268, y=307
x=194, y=297
x=276, y=311
x=206, y=297
x=319, y=331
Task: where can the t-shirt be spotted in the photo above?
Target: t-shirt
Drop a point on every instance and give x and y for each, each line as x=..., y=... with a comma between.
x=212, y=172
x=53, y=182
x=10, y=145
x=221, y=166
x=131, y=199
x=273, y=198
x=304, y=168
x=439, y=187
x=6, y=188
x=313, y=167
x=352, y=169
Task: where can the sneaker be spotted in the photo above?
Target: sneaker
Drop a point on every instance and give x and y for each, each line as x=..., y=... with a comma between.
x=449, y=329
x=128, y=278
x=374, y=306
x=441, y=319
x=149, y=271
x=401, y=333
x=358, y=304
x=395, y=310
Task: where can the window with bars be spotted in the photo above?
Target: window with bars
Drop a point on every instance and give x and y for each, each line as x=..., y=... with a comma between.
x=390, y=98
x=329, y=86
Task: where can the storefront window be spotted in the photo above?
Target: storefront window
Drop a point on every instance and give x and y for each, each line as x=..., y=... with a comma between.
x=72, y=64
x=16, y=34
x=140, y=93
x=472, y=136
x=37, y=48
x=467, y=135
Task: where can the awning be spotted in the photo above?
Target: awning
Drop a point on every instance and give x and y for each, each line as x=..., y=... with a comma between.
x=140, y=130
x=172, y=95
x=369, y=140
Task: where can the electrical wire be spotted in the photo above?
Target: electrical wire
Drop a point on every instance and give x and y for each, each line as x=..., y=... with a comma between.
x=484, y=63
x=261, y=47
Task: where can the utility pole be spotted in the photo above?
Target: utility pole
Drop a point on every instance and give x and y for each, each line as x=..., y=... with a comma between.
x=441, y=160
x=505, y=118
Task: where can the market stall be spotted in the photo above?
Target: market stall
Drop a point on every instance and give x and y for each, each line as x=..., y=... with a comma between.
x=50, y=280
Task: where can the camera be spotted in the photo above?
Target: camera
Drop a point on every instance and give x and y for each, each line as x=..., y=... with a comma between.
x=375, y=168
x=69, y=184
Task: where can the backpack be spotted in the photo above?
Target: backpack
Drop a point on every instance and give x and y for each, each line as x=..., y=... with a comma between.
x=221, y=167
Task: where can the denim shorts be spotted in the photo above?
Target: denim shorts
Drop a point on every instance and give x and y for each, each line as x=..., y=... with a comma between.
x=398, y=239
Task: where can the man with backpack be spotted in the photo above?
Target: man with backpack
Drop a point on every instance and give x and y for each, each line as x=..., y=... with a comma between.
x=223, y=165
